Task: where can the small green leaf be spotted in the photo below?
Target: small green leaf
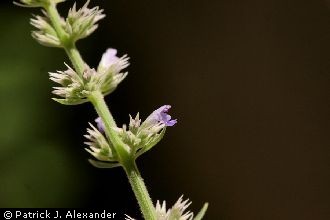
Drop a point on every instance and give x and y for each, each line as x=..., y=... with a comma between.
x=99, y=164
x=201, y=213
x=70, y=102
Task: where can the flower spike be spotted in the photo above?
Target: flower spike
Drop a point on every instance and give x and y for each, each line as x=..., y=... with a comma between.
x=109, y=146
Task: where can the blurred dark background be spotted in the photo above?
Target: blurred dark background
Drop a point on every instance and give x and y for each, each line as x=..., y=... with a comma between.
x=248, y=82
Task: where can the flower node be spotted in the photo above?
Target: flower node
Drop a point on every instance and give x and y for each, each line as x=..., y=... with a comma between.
x=142, y=137
x=75, y=89
x=82, y=22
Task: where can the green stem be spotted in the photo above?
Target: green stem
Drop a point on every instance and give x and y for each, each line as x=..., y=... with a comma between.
x=68, y=45
x=55, y=18
x=76, y=59
x=97, y=99
x=122, y=150
x=140, y=191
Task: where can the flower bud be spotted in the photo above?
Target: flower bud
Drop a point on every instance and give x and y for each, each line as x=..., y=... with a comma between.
x=100, y=148
x=110, y=68
x=82, y=22
x=46, y=34
x=176, y=212
x=72, y=89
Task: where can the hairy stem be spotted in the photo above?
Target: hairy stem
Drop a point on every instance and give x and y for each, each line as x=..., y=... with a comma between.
x=75, y=58
x=102, y=110
x=97, y=99
x=55, y=18
x=68, y=45
x=140, y=191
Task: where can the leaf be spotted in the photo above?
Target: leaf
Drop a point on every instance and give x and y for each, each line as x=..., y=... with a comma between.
x=201, y=213
x=99, y=164
x=70, y=102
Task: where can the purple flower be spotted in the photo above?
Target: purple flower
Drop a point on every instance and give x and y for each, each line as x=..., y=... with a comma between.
x=160, y=116
x=156, y=118
x=100, y=124
x=109, y=58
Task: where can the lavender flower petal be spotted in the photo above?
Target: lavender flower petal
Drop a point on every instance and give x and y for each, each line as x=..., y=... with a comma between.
x=160, y=116
x=109, y=58
x=100, y=124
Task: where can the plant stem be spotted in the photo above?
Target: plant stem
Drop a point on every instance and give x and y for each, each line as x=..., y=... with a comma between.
x=140, y=191
x=55, y=18
x=121, y=149
x=75, y=58
x=97, y=99
x=68, y=45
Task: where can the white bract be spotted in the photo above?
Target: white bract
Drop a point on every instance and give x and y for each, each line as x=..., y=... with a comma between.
x=177, y=212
